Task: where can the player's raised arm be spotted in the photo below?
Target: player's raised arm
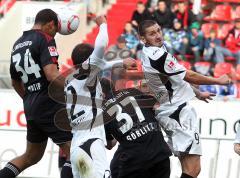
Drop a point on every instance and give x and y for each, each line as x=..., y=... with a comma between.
x=101, y=42
x=196, y=78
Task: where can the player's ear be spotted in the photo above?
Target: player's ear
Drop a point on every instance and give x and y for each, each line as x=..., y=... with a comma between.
x=142, y=39
x=51, y=23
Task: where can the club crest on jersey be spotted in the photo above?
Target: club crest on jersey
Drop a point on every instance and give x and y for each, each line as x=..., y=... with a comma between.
x=53, y=51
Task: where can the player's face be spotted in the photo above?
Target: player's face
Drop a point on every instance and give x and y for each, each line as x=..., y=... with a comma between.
x=153, y=36
x=50, y=29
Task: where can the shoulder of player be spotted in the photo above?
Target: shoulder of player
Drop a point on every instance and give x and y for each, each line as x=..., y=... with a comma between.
x=154, y=53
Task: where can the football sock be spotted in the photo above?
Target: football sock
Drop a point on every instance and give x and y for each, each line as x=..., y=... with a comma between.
x=9, y=171
x=67, y=170
x=185, y=176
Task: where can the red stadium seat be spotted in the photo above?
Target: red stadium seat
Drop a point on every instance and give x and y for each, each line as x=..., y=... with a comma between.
x=238, y=72
x=133, y=83
x=186, y=64
x=207, y=27
x=221, y=13
x=130, y=84
x=203, y=67
x=223, y=31
x=236, y=13
x=234, y=1
x=223, y=68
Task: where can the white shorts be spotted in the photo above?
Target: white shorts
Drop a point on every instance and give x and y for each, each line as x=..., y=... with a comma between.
x=89, y=160
x=182, y=129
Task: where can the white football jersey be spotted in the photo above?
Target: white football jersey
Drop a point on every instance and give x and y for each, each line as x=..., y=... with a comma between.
x=165, y=76
x=84, y=95
x=83, y=103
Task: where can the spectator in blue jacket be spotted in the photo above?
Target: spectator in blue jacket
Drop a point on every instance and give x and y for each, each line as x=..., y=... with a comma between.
x=131, y=38
x=176, y=39
x=196, y=41
x=211, y=47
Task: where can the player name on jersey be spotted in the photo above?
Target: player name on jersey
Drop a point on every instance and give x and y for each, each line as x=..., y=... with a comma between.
x=113, y=100
x=136, y=133
x=34, y=87
x=23, y=44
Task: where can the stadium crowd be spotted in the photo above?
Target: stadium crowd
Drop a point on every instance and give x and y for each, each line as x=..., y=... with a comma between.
x=198, y=37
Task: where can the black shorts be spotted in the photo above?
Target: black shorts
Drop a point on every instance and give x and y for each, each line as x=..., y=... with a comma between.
x=38, y=130
x=158, y=170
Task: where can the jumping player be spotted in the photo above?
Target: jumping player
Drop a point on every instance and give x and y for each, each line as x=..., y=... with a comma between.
x=168, y=80
x=142, y=150
x=34, y=64
x=84, y=102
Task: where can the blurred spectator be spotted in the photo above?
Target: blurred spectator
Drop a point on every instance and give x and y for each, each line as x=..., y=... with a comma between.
x=130, y=35
x=211, y=46
x=118, y=51
x=151, y=5
x=163, y=15
x=232, y=44
x=185, y=15
x=196, y=7
x=233, y=37
x=176, y=39
x=140, y=14
x=196, y=41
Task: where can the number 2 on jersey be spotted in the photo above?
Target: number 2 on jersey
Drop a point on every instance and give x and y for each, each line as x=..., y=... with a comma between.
x=124, y=116
x=30, y=67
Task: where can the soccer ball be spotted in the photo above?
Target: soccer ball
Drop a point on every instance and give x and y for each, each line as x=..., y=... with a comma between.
x=68, y=21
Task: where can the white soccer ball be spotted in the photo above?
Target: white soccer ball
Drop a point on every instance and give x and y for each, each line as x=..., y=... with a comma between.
x=68, y=21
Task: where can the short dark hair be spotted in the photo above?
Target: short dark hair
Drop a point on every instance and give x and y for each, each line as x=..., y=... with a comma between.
x=161, y=1
x=145, y=24
x=81, y=53
x=140, y=3
x=46, y=15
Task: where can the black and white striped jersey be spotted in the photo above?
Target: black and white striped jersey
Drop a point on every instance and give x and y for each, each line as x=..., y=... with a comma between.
x=165, y=76
x=84, y=94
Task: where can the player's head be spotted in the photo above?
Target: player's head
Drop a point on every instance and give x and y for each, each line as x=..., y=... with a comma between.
x=48, y=21
x=81, y=53
x=150, y=33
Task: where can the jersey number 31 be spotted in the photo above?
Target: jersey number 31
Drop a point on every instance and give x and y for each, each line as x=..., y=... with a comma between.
x=120, y=116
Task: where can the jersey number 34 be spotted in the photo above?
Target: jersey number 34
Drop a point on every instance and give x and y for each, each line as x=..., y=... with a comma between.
x=29, y=66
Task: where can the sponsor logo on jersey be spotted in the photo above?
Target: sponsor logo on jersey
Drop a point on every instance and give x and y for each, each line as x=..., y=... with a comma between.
x=53, y=51
x=171, y=65
x=154, y=52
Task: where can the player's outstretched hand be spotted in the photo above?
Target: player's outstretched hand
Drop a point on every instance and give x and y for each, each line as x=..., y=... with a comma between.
x=100, y=20
x=237, y=148
x=130, y=64
x=224, y=80
x=205, y=96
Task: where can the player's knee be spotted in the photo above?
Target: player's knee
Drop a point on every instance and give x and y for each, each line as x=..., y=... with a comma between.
x=194, y=171
x=191, y=166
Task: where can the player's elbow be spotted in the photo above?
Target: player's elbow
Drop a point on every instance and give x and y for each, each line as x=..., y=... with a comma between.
x=190, y=77
x=51, y=77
